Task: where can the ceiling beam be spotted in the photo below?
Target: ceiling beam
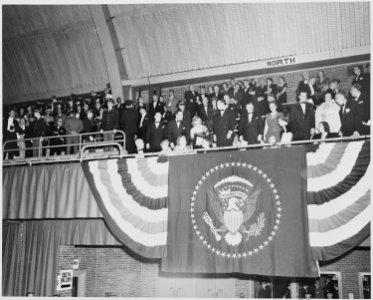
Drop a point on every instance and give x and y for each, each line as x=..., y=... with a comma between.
x=108, y=40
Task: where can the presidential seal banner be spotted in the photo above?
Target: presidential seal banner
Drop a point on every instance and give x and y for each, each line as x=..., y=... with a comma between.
x=239, y=211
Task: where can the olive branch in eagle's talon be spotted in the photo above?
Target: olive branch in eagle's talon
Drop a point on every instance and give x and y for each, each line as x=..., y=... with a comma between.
x=208, y=221
x=256, y=228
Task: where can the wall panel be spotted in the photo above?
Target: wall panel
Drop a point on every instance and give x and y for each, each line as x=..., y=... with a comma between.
x=211, y=35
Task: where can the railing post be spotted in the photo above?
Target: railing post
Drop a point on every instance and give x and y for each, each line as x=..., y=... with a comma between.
x=80, y=144
x=40, y=147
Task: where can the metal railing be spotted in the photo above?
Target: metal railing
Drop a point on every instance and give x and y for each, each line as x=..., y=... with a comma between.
x=77, y=143
x=85, y=147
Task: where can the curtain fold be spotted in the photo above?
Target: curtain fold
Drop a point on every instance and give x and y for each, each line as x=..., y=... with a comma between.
x=58, y=191
x=34, y=251
x=11, y=249
x=41, y=243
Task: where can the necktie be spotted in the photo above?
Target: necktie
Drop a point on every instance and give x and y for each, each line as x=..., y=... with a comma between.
x=303, y=105
x=250, y=117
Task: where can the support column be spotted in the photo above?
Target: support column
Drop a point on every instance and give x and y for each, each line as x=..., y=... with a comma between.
x=107, y=40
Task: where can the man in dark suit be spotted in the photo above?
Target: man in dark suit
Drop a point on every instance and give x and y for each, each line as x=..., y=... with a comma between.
x=303, y=85
x=333, y=87
x=250, y=128
x=10, y=128
x=363, y=109
x=302, y=118
x=186, y=114
x=216, y=93
x=246, y=97
x=206, y=113
x=155, y=134
x=191, y=97
x=144, y=120
x=349, y=116
x=231, y=88
x=224, y=124
x=128, y=123
x=202, y=94
x=237, y=94
x=176, y=128
x=360, y=79
x=156, y=106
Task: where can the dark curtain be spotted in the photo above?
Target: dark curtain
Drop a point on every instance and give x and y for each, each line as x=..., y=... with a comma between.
x=58, y=191
x=11, y=250
x=34, y=250
x=41, y=242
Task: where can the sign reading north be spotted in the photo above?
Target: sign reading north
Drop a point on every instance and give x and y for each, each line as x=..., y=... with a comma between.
x=235, y=210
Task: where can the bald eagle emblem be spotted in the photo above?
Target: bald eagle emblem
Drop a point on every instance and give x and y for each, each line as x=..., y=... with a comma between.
x=233, y=201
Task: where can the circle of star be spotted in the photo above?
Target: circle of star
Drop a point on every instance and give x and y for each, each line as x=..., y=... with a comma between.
x=276, y=196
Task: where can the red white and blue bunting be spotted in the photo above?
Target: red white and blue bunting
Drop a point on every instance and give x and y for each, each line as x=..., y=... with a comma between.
x=132, y=195
x=338, y=186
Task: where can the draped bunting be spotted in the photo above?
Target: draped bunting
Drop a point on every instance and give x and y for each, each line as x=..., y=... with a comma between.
x=132, y=195
x=338, y=189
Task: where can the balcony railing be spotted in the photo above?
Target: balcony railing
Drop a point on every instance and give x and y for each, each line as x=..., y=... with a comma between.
x=88, y=150
x=113, y=144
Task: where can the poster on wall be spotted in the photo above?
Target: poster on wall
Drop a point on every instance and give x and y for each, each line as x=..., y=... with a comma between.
x=64, y=280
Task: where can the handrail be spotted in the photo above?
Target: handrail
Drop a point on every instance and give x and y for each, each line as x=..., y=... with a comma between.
x=100, y=145
x=79, y=144
x=121, y=154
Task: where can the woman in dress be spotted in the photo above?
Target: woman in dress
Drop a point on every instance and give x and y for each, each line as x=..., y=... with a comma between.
x=272, y=128
x=329, y=112
x=324, y=132
x=198, y=133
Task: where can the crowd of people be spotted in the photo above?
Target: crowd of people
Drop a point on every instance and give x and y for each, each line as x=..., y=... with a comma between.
x=237, y=114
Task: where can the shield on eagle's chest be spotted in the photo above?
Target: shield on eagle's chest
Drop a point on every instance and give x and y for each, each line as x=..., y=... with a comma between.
x=233, y=220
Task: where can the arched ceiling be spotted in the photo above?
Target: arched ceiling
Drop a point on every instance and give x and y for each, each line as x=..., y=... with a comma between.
x=47, y=49
x=50, y=49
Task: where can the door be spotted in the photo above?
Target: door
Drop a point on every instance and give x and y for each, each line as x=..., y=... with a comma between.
x=175, y=286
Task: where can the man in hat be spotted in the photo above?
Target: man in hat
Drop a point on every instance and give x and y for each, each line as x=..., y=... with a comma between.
x=128, y=123
x=155, y=134
x=110, y=121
